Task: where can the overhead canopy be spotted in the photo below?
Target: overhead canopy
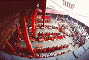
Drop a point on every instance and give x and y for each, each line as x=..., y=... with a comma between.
x=77, y=9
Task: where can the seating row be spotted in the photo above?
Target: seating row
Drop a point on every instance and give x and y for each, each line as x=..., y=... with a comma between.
x=46, y=38
x=52, y=49
x=47, y=26
x=47, y=34
x=46, y=21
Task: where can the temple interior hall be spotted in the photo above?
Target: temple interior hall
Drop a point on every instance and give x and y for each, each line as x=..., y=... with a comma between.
x=44, y=30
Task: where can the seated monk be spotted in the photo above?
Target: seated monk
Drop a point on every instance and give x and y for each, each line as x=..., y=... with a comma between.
x=48, y=50
x=35, y=50
x=52, y=49
x=39, y=50
x=41, y=39
x=56, y=48
x=60, y=48
x=32, y=39
x=60, y=29
x=66, y=46
x=44, y=50
x=46, y=38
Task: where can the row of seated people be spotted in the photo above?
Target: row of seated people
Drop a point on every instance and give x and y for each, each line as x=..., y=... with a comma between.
x=54, y=54
x=46, y=21
x=45, y=50
x=47, y=26
x=24, y=51
x=47, y=34
x=52, y=49
x=46, y=38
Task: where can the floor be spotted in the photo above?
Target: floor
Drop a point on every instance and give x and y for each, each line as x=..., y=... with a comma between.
x=76, y=53
x=50, y=43
x=85, y=56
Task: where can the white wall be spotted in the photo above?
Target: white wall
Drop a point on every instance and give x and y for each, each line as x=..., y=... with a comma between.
x=79, y=12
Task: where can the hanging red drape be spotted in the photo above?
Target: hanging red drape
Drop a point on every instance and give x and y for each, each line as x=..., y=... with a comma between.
x=43, y=11
x=34, y=19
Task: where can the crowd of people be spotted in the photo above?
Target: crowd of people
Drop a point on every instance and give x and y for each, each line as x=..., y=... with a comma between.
x=66, y=27
x=77, y=31
x=48, y=37
x=52, y=49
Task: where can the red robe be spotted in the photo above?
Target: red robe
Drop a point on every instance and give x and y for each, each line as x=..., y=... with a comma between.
x=60, y=29
x=44, y=50
x=52, y=49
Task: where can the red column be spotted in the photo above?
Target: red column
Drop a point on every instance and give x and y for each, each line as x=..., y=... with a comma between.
x=24, y=30
x=33, y=25
x=34, y=19
x=43, y=11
